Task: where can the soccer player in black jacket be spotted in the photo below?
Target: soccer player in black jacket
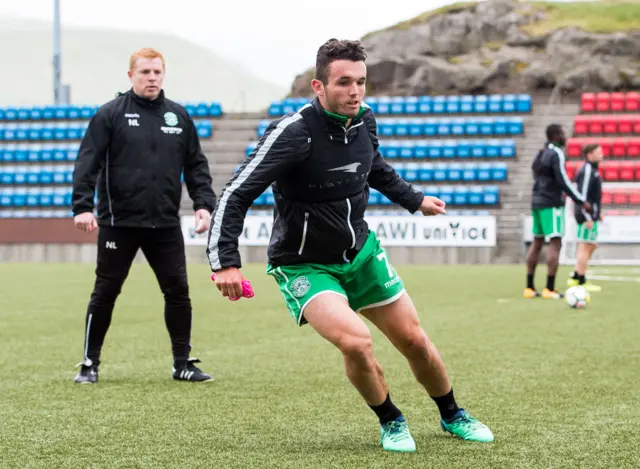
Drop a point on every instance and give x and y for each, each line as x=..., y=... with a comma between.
x=547, y=209
x=590, y=186
x=135, y=149
x=329, y=266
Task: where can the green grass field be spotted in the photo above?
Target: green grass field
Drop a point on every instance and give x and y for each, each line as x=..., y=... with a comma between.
x=559, y=387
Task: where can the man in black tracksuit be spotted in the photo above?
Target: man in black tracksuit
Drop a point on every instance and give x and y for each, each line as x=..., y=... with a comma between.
x=329, y=266
x=136, y=148
x=547, y=204
x=589, y=183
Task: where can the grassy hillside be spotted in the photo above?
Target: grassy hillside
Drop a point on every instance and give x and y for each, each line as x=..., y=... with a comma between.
x=601, y=16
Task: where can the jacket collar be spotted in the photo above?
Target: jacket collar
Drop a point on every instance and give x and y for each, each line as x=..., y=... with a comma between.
x=333, y=119
x=145, y=101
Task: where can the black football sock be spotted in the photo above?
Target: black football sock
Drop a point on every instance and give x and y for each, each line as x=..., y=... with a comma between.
x=446, y=405
x=551, y=282
x=530, y=281
x=386, y=411
x=582, y=279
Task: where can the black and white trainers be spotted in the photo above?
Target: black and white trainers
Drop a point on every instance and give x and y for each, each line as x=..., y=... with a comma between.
x=88, y=373
x=187, y=371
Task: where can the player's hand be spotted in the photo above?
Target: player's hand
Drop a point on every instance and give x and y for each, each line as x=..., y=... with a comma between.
x=203, y=220
x=85, y=222
x=229, y=282
x=587, y=206
x=432, y=206
x=589, y=224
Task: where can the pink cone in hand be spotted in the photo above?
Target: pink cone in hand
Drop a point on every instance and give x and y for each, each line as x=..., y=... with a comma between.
x=247, y=289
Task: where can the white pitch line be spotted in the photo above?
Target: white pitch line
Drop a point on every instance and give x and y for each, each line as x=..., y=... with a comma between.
x=614, y=278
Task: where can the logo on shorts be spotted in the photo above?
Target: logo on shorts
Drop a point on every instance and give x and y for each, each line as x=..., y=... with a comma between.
x=300, y=287
x=170, y=118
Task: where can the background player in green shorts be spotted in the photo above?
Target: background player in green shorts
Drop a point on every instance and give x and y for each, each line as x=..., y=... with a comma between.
x=547, y=204
x=590, y=185
x=329, y=266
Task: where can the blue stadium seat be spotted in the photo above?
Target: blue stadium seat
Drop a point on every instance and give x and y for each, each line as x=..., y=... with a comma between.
x=425, y=105
x=444, y=127
x=384, y=105
x=420, y=149
x=412, y=172
x=416, y=127
x=509, y=102
x=471, y=127
x=484, y=172
x=499, y=171
x=475, y=195
x=374, y=196
x=191, y=109
x=392, y=149
x=492, y=148
x=463, y=149
x=449, y=148
x=440, y=172
x=515, y=126
x=500, y=126
x=454, y=172
x=523, y=103
x=460, y=195
x=397, y=105
x=401, y=127
x=435, y=149
x=486, y=126
x=430, y=127
x=250, y=147
x=372, y=102
x=495, y=103
x=478, y=148
x=386, y=127
x=411, y=105
x=508, y=148
x=275, y=109
x=73, y=112
x=439, y=105
x=481, y=104
x=458, y=127
x=204, y=129
x=426, y=172
x=406, y=149
x=470, y=172
x=433, y=191
x=446, y=194
x=262, y=127
x=466, y=104
x=491, y=195
x=453, y=104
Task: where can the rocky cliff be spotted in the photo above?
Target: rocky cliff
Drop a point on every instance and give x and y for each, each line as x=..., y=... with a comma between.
x=496, y=46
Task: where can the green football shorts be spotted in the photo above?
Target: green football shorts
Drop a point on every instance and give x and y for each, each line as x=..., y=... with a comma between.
x=548, y=222
x=586, y=235
x=368, y=281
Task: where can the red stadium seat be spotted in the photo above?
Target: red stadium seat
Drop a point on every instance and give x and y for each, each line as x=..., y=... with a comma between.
x=629, y=213
x=612, y=213
x=620, y=197
x=610, y=170
x=610, y=124
x=636, y=124
x=618, y=147
x=632, y=101
x=596, y=125
x=572, y=168
x=581, y=125
x=603, y=102
x=574, y=147
x=625, y=124
x=588, y=102
x=627, y=170
x=634, y=196
x=606, y=197
x=637, y=170
x=617, y=102
x=633, y=148
x=607, y=145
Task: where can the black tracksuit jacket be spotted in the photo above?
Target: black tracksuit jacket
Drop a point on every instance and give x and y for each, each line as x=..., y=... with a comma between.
x=590, y=186
x=321, y=172
x=551, y=179
x=135, y=150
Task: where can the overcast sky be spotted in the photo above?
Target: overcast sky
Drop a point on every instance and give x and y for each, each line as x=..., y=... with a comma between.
x=251, y=31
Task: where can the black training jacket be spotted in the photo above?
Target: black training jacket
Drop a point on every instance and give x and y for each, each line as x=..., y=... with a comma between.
x=551, y=180
x=135, y=150
x=590, y=187
x=321, y=172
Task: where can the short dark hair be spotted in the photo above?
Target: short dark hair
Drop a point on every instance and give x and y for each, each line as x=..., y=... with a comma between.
x=588, y=149
x=553, y=130
x=335, y=49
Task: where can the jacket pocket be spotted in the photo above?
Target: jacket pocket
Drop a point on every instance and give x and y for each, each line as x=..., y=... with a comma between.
x=305, y=227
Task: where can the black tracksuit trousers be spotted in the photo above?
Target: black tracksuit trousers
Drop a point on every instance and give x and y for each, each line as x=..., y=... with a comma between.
x=164, y=250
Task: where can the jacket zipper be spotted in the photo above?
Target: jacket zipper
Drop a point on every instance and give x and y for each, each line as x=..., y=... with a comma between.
x=304, y=233
x=353, y=233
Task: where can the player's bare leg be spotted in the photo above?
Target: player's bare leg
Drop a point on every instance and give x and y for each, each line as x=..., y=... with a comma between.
x=553, y=259
x=400, y=323
x=330, y=315
x=532, y=259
